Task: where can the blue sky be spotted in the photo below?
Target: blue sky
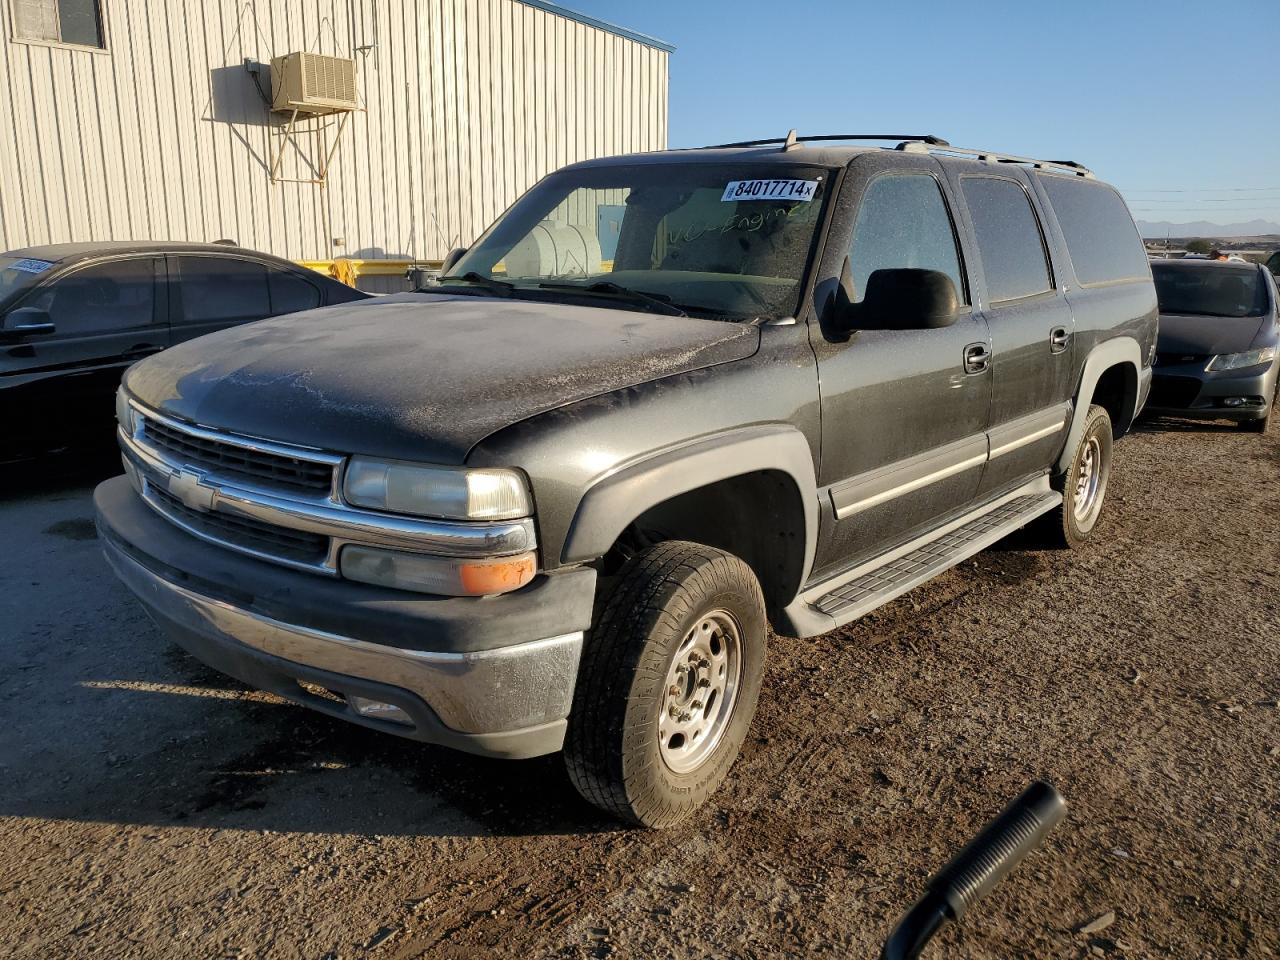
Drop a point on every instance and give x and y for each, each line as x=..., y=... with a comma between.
x=1153, y=96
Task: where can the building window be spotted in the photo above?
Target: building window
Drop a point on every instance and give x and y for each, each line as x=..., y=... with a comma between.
x=77, y=22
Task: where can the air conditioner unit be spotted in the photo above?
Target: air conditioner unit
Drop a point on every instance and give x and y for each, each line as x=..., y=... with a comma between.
x=312, y=83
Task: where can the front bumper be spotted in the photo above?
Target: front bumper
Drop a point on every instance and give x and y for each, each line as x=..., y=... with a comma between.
x=1188, y=390
x=318, y=642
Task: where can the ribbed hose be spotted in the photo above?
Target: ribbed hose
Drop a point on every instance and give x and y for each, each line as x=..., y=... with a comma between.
x=975, y=870
x=1019, y=829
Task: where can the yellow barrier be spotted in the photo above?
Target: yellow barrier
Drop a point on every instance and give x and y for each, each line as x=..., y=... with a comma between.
x=349, y=270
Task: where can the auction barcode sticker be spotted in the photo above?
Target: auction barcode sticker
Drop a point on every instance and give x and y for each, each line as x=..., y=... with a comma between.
x=769, y=190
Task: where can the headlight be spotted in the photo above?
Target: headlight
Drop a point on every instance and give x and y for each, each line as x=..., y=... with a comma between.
x=448, y=576
x=452, y=493
x=1237, y=361
x=124, y=412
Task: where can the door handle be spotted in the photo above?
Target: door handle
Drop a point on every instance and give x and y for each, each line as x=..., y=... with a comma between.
x=977, y=358
x=1059, y=339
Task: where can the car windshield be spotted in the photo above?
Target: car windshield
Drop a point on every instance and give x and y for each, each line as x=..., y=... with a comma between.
x=720, y=240
x=1210, y=291
x=17, y=273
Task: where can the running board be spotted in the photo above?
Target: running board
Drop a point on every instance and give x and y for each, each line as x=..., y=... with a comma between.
x=857, y=592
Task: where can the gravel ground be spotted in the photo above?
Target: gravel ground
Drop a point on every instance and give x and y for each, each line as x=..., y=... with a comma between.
x=151, y=808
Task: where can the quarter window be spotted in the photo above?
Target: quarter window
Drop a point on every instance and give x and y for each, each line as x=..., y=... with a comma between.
x=104, y=298
x=77, y=22
x=1009, y=238
x=903, y=222
x=1101, y=236
x=223, y=289
x=291, y=293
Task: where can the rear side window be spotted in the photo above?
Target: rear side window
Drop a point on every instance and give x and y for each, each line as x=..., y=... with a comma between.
x=1009, y=238
x=107, y=297
x=223, y=289
x=1101, y=236
x=903, y=222
x=290, y=292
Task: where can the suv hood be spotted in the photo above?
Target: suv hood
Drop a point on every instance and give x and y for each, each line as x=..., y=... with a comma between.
x=421, y=376
x=1207, y=335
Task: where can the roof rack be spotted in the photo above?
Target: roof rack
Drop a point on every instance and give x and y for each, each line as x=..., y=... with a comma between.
x=1068, y=166
x=791, y=140
x=925, y=143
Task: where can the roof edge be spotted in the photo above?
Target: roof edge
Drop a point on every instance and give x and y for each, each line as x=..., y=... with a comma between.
x=599, y=24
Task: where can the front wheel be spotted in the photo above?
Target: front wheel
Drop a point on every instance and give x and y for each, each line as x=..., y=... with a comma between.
x=1083, y=486
x=668, y=684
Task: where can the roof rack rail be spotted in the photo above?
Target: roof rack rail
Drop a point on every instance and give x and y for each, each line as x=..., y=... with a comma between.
x=925, y=143
x=791, y=140
x=1070, y=166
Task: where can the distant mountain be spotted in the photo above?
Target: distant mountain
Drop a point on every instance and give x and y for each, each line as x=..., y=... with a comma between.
x=1203, y=228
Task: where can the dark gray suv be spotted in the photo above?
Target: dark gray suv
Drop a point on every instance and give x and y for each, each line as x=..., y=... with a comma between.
x=666, y=402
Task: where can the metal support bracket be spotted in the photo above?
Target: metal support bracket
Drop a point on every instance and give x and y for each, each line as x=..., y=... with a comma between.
x=287, y=139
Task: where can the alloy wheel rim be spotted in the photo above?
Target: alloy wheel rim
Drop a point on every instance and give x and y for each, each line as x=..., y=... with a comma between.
x=701, y=691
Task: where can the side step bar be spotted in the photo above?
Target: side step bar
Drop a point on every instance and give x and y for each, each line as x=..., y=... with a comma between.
x=857, y=592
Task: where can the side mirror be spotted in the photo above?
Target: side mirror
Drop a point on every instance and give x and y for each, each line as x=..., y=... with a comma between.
x=451, y=258
x=903, y=298
x=26, y=320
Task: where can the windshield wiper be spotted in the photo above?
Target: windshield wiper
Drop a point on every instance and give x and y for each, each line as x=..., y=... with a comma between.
x=498, y=286
x=610, y=289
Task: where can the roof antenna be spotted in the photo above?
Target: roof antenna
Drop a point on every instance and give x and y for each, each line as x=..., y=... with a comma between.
x=790, y=143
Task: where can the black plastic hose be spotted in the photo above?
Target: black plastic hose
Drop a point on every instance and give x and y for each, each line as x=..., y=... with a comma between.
x=975, y=870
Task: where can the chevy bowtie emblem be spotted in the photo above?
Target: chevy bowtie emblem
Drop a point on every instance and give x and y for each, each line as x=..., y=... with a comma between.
x=188, y=486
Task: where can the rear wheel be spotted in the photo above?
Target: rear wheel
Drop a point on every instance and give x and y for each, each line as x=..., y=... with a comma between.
x=669, y=681
x=1083, y=486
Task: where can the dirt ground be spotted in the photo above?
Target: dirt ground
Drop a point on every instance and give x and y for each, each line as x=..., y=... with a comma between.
x=151, y=808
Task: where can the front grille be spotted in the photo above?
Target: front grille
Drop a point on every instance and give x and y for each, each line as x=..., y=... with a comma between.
x=1173, y=391
x=1178, y=359
x=298, y=546
x=232, y=460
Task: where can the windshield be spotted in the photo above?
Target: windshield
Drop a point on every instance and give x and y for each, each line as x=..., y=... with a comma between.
x=1210, y=291
x=724, y=240
x=17, y=273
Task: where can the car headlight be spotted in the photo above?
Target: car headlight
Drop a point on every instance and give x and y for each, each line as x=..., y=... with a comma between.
x=124, y=412
x=1238, y=361
x=451, y=493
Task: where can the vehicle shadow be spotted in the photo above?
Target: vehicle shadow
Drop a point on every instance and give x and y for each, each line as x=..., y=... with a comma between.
x=1184, y=425
x=190, y=747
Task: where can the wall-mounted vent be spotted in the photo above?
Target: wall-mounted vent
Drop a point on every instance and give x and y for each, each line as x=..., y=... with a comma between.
x=312, y=83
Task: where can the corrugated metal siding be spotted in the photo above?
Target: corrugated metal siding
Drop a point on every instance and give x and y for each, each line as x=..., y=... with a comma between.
x=163, y=136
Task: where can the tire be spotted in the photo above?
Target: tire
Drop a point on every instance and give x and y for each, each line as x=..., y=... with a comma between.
x=621, y=748
x=1255, y=426
x=1069, y=525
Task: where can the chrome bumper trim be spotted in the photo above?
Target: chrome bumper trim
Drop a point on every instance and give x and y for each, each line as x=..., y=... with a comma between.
x=320, y=515
x=482, y=692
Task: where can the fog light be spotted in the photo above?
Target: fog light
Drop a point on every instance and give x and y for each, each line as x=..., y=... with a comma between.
x=378, y=710
x=1233, y=401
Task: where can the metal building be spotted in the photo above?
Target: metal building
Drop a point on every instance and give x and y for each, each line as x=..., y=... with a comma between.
x=152, y=119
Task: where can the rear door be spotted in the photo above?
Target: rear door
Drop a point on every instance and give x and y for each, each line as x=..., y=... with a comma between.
x=106, y=315
x=213, y=291
x=1032, y=331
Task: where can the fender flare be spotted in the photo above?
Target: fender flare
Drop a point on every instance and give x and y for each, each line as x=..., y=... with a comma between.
x=1103, y=357
x=617, y=498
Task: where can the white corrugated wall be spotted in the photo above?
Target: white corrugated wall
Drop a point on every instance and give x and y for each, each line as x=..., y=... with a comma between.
x=163, y=135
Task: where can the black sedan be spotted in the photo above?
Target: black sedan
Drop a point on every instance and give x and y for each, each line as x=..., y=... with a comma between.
x=74, y=316
x=1217, y=357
